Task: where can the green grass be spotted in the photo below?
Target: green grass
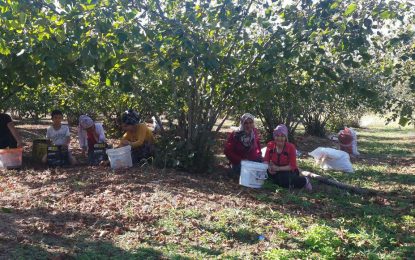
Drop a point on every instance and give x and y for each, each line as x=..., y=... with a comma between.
x=390, y=142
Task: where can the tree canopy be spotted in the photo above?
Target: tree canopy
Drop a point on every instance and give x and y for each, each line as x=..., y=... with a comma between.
x=199, y=62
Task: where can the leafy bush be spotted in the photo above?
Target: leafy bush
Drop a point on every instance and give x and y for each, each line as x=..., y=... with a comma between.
x=171, y=152
x=344, y=117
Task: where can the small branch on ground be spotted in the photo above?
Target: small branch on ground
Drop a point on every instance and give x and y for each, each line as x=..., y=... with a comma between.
x=338, y=184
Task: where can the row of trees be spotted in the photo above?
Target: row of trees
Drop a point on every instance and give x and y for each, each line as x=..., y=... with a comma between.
x=199, y=62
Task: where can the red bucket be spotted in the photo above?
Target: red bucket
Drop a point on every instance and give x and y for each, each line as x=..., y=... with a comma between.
x=11, y=158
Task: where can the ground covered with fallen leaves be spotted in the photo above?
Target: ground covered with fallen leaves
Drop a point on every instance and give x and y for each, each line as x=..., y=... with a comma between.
x=149, y=213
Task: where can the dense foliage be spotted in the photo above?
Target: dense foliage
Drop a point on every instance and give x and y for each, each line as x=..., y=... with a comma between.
x=199, y=62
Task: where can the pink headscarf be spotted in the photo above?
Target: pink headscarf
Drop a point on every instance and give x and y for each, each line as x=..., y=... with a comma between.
x=280, y=129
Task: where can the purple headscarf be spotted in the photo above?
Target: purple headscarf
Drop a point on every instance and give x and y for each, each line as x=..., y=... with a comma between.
x=280, y=129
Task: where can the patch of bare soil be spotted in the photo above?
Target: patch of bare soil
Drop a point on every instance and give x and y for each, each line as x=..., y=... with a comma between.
x=63, y=204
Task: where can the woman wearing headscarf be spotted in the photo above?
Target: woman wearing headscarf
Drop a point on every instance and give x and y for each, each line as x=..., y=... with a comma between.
x=138, y=135
x=89, y=134
x=243, y=144
x=282, y=163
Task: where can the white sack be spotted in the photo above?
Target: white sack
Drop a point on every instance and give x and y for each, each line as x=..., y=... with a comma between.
x=332, y=159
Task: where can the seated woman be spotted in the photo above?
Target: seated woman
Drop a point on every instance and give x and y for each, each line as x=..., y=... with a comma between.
x=90, y=134
x=243, y=144
x=281, y=158
x=9, y=137
x=138, y=135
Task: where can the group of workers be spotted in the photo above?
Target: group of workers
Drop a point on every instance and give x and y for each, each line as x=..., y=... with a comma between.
x=242, y=144
x=90, y=133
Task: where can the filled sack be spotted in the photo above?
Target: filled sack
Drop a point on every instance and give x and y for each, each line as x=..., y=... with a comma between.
x=348, y=141
x=332, y=159
x=354, y=142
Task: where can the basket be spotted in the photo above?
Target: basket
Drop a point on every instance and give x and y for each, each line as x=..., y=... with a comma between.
x=39, y=149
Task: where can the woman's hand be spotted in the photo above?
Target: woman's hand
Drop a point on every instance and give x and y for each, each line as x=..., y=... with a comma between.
x=272, y=168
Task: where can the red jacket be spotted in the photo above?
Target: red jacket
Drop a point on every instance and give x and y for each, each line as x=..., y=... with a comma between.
x=235, y=151
x=286, y=157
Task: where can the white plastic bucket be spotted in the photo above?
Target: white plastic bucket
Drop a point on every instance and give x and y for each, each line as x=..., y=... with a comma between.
x=120, y=157
x=253, y=174
x=11, y=158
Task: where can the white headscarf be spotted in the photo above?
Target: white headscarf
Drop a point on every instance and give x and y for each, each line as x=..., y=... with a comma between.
x=85, y=122
x=245, y=117
x=248, y=140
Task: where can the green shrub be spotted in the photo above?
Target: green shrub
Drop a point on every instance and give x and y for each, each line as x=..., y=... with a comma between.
x=171, y=152
x=323, y=239
x=344, y=117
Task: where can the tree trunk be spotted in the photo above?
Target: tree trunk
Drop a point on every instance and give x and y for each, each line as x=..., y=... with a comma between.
x=314, y=126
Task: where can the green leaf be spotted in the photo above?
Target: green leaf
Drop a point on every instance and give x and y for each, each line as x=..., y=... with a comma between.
x=268, y=12
x=385, y=15
x=147, y=48
x=22, y=18
x=366, y=56
x=60, y=36
x=3, y=48
x=350, y=9
x=334, y=5
x=403, y=121
x=87, y=7
x=108, y=82
x=122, y=37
